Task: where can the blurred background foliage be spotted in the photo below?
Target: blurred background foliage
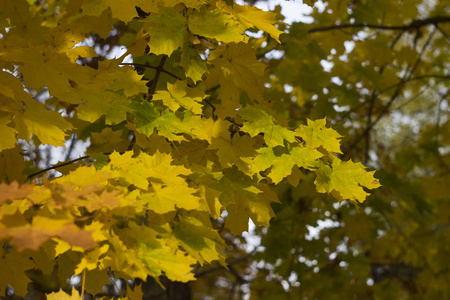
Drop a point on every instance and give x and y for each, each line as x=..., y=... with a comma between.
x=379, y=72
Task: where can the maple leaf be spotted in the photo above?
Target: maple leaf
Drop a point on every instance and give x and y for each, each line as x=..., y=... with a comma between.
x=235, y=68
x=97, y=103
x=90, y=260
x=251, y=16
x=13, y=191
x=12, y=157
x=164, y=199
x=135, y=294
x=180, y=95
x=192, y=63
x=61, y=295
x=13, y=270
x=170, y=125
x=243, y=201
x=316, y=135
x=199, y=241
x=168, y=31
x=8, y=140
x=347, y=179
x=282, y=164
x=47, y=125
x=121, y=10
x=259, y=121
x=42, y=229
x=173, y=262
x=231, y=150
x=42, y=67
x=215, y=24
x=96, y=279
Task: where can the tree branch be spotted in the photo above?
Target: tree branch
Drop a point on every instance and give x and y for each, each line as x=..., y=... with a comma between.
x=407, y=75
x=413, y=25
x=152, y=67
x=72, y=144
x=229, y=264
x=57, y=166
x=158, y=69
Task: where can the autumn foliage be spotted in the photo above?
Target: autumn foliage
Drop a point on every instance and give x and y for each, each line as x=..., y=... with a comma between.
x=184, y=141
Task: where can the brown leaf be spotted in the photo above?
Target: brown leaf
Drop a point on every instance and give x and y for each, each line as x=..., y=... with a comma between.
x=13, y=191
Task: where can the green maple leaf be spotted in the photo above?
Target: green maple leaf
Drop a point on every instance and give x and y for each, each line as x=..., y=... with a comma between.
x=180, y=95
x=168, y=31
x=192, y=63
x=199, y=241
x=258, y=121
x=282, y=164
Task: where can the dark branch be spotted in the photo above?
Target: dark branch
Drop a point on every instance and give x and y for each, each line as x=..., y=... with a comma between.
x=152, y=67
x=413, y=25
x=72, y=144
x=57, y=166
x=407, y=76
x=229, y=264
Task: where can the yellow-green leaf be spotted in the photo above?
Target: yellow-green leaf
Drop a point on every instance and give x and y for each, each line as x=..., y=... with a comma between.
x=316, y=135
x=215, y=24
x=347, y=179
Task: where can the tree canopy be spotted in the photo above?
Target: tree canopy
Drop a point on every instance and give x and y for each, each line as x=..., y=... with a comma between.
x=183, y=120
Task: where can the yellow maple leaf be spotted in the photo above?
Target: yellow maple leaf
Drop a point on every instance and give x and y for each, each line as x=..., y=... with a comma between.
x=231, y=150
x=215, y=24
x=235, y=68
x=91, y=259
x=165, y=198
x=47, y=125
x=123, y=10
x=251, y=16
x=135, y=294
x=61, y=295
x=8, y=139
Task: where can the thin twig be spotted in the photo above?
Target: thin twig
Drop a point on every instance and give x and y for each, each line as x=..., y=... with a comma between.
x=230, y=263
x=112, y=279
x=369, y=120
x=72, y=143
x=407, y=75
x=443, y=32
x=152, y=67
x=57, y=166
x=413, y=25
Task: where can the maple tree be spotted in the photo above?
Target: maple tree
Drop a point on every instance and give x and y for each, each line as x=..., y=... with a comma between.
x=178, y=136
x=191, y=133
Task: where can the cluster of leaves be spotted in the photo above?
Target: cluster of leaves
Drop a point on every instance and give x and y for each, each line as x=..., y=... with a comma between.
x=179, y=135
x=386, y=89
